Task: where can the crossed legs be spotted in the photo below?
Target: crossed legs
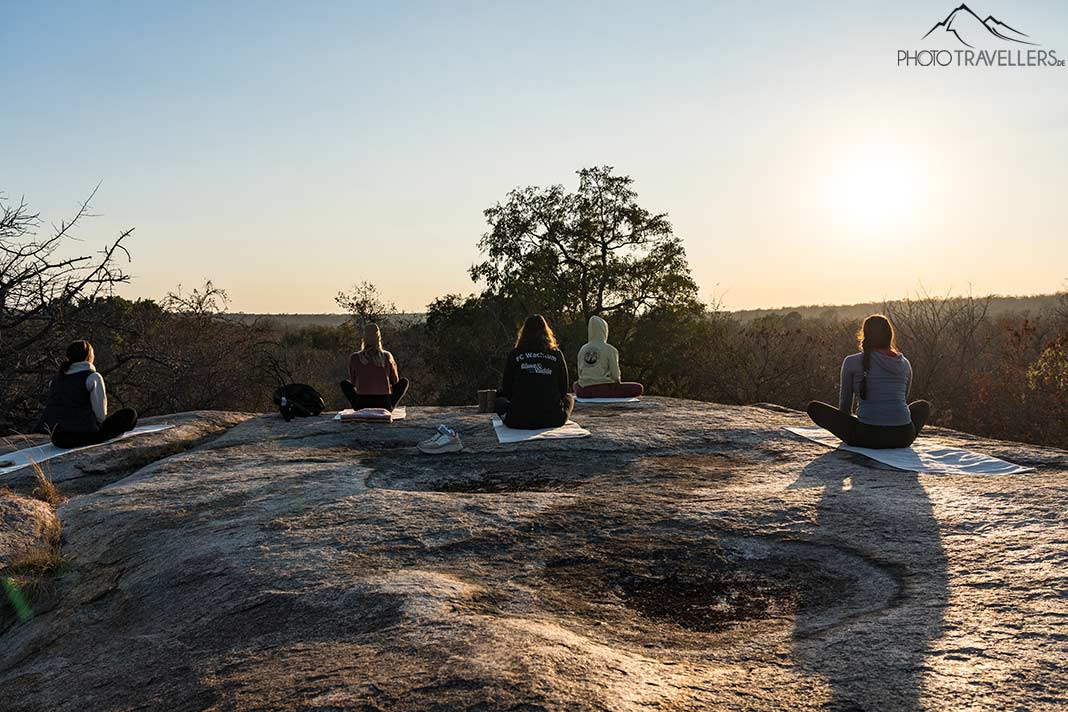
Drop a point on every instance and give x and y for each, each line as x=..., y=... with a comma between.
x=851, y=431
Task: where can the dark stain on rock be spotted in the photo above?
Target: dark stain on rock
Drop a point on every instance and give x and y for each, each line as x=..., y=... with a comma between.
x=690, y=469
x=294, y=616
x=544, y=471
x=714, y=587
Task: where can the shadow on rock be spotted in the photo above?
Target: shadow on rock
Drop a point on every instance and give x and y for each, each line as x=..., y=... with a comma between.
x=876, y=659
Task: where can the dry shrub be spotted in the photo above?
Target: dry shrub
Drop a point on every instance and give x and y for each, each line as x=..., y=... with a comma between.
x=45, y=490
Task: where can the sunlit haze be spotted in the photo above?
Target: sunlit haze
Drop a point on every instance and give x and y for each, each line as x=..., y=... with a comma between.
x=287, y=151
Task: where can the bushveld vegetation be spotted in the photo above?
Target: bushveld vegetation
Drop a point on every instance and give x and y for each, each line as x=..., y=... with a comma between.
x=568, y=255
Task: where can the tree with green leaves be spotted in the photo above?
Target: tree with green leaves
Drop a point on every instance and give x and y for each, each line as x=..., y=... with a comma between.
x=572, y=255
x=365, y=304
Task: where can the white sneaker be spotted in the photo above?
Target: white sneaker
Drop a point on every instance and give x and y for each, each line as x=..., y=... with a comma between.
x=447, y=440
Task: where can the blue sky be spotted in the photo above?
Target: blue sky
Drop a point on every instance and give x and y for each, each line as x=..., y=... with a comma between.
x=315, y=144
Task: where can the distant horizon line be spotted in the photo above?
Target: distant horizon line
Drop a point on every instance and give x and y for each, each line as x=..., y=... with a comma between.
x=742, y=310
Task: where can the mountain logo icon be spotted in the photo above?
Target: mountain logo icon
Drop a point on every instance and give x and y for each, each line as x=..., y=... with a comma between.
x=970, y=30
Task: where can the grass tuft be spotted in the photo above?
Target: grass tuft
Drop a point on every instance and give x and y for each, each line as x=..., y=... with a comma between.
x=29, y=579
x=45, y=490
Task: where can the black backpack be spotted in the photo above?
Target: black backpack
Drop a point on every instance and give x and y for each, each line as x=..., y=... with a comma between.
x=298, y=400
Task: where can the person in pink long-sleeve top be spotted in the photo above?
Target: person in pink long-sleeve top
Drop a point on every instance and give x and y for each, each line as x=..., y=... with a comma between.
x=373, y=379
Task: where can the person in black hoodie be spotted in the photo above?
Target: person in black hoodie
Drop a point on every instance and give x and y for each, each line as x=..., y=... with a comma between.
x=535, y=392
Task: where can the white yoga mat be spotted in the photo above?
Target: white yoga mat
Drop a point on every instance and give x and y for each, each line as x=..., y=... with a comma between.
x=920, y=457
x=398, y=414
x=41, y=453
x=608, y=400
x=506, y=435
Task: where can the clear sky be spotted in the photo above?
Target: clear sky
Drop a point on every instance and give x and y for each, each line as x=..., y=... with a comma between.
x=287, y=150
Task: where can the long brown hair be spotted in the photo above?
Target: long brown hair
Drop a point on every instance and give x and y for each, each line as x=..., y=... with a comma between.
x=536, y=335
x=80, y=350
x=875, y=333
x=371, y=350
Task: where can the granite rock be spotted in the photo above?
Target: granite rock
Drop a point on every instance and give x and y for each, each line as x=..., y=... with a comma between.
x=687, y=556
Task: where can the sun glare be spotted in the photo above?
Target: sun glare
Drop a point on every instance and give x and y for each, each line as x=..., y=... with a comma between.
x=874, y=191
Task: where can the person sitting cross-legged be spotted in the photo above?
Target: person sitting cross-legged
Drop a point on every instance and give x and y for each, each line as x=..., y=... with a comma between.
x=879, y=379
x=598, y=367
x=373, y=380
x=76, y=412
x=534, y=392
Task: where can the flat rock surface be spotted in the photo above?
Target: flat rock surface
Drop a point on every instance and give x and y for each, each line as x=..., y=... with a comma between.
x=687, y=556
x=88, y=470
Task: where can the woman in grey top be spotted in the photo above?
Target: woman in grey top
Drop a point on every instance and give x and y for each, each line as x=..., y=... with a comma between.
x=879, y=378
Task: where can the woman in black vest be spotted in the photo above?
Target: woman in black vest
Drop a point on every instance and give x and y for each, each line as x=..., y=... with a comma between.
x=76, y=412
x=535, y=392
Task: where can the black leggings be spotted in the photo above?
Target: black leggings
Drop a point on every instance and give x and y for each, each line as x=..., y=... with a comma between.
x=359, y=401
x=853, y=432
x=531, y=421
x=115, y=425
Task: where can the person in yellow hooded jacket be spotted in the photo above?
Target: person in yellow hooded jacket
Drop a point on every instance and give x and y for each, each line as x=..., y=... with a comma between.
x=598, y=367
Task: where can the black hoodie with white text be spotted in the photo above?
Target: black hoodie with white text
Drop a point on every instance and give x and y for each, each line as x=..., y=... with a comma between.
x=535, y=382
